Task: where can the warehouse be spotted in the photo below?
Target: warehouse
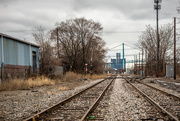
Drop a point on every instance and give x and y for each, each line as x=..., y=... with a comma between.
x=18, y=58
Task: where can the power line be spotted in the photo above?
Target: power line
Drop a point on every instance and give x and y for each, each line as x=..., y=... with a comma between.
x=124, y=49
x=121, y=45
x=132, y=47
x=124, y=55
x=16, y=30
x=114, y=47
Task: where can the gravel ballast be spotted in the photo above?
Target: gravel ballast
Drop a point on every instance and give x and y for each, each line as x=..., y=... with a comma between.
x=18, y=105
x=123, y=102
x=126, y=104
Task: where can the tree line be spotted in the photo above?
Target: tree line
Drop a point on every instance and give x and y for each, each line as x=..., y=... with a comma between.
x=73, y=43
x=148, y=42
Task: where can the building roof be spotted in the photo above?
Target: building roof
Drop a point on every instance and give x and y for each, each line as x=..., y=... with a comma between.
x=10, y=37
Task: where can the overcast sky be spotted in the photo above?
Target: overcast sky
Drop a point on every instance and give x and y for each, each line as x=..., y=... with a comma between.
x=122, y=20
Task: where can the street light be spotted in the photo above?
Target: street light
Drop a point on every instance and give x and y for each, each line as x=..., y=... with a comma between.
x=157, y=7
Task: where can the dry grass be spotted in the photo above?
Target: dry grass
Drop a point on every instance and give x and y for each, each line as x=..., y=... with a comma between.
x=17, y=84
x=96, y=76
x=71, y=76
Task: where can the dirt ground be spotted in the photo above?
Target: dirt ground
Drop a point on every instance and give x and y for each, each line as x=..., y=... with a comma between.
x=169, y=83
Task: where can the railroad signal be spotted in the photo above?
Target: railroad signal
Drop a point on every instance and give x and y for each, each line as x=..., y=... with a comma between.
x=86, y=67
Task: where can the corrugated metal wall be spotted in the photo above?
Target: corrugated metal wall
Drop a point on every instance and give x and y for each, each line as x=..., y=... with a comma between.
x=10, y=51
x=17, y=53
x=0, y=51
x=23, y=54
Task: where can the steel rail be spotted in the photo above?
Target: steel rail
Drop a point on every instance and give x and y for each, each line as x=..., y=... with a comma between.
x=153, y=102
x=169, y=94
x=96, y=102
x=36, y=116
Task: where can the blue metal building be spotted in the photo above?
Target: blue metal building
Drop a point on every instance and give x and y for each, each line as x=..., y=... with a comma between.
x=17, y=58
x=118, y=62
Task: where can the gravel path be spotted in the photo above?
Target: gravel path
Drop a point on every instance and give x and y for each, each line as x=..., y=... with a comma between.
x=126, y=104
x=17, y=105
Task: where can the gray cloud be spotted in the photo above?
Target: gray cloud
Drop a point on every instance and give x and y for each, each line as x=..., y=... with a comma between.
x=133, y=9
x=18, y=17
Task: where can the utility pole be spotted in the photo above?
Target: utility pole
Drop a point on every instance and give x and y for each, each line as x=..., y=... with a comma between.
x=157, y=7
x=142, y=63
x=58, y=44
x=123, y=59
x=2, y=55
x=139, y=63
x=83, y=52
x=146, y=68
x=134, y=63
x=174, y=48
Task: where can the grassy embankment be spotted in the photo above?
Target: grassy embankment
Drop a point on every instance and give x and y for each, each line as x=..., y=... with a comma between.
x=19, y=84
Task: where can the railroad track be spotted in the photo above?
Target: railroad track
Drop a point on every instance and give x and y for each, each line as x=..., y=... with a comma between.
x=167, y=104
x=76, y=107
x=100, y=112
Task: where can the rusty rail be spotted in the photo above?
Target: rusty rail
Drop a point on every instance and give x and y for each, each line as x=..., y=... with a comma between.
x=153, y=102
x=38, y=115
x=96, y=102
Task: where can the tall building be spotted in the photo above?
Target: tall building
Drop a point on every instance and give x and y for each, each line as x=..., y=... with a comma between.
x=117, y=64
x=118, y=57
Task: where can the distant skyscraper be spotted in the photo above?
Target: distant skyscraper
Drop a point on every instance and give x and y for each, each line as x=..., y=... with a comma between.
x=118, y=57
x=118, y=62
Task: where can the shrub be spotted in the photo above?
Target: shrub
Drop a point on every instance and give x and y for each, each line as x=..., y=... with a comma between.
x=71, y=76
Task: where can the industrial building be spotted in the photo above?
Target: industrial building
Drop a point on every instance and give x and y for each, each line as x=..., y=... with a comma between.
x=118, y=63
x=17, y=57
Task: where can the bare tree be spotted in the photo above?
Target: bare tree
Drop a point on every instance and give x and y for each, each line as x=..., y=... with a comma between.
x=148, y=42
x=46, y=51
x=79, y=40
